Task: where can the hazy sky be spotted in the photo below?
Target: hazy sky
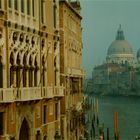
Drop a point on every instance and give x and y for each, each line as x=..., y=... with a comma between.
x=101, y=19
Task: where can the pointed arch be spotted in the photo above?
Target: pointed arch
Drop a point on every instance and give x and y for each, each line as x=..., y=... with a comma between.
x=18, y=77
x=1, y=72
x=43, y=70
x=35, y=71
x=24, y=70
x=30, y=72
x=24, y=131
x=12, y=60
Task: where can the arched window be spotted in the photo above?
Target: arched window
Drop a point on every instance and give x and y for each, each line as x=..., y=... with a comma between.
x=11, y=69
x=43, y=71
x=54, y=16
x=38, y=135
x=10, y=3
x=18, y=77
x=22, y=6
x=0, y=4
x=24, y=71
x=16, y=4
x=1, y=72
x=33, y=8
x=35, y=73
x=45, y=138
x=28, y=7
x=55, y=72
x=43, y=11
x=24, y=131
x=30, y=73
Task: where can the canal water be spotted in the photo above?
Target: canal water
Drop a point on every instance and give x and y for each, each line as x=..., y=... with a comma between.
x=128, y=109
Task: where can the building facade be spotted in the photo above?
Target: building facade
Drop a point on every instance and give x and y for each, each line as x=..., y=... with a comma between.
x=71, y=69
x=30, y=89
x=120, y=74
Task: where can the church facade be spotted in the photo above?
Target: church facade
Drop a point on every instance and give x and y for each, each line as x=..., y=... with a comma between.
x=119, y=75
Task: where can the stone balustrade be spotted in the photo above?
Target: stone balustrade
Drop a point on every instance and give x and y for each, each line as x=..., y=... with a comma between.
x=29, y=93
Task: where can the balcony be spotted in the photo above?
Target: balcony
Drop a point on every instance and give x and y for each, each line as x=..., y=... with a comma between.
x=7, y=95
x=26, y=94
x=48, y=92
x=31, y=93
x=51, y=92
x=20, y=94
x=75, y=72
x=58, y=91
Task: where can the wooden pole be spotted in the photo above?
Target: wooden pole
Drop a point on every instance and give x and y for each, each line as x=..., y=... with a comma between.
x=116, y=132
x=107, y=133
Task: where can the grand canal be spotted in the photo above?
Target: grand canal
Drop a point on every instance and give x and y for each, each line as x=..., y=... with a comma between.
x=128, y=109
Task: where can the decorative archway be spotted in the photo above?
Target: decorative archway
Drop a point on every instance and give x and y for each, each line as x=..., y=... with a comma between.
x=24, y=131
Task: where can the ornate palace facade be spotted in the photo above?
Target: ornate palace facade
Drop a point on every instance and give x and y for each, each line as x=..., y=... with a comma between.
x=30, y=86
x=30, y=89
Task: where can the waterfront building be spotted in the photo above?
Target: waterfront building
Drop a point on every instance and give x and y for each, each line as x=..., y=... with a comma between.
x=120, y=74
x=71, y=69
x=30, y=89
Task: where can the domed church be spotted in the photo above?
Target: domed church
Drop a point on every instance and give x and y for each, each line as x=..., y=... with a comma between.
x=120, y=51
x=120, y=75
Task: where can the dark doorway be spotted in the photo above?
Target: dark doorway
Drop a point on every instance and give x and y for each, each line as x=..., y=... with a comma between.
x=1, y=73
x=24, y=131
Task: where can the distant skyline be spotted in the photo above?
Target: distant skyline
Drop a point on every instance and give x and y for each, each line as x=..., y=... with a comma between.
x=101, y=20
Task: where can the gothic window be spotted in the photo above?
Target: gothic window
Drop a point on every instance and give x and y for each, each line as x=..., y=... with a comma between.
x=1, y=72
x=33, y=41
x=54, y=15
x=18, y=78
x=1, y=123
x=35, y=73
x=14, y=36
x=38, y=136
x=24, y=71
x=42, y=11
x=56, y=111
x=16, y=4
x=30, y=73
x=44, y=114
x=43, y=43
x=55, y=73
x=45, y=138
x=11, y=69
x=22, y=6
x=10, y=3
x=21, y=38
x=0, y=4
x=33, y=8
x=43, y=71
x=28, y=7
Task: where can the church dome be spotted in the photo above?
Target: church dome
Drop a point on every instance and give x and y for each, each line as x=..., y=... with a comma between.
x=120, y=47
x=120, y=51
